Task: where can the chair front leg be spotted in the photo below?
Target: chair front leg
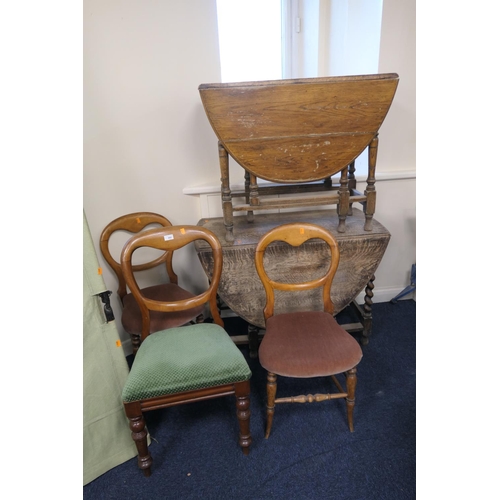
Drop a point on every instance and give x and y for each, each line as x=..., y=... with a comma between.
x=351, y=390
x=271, y=396
x=242, y=392
x=139, y=435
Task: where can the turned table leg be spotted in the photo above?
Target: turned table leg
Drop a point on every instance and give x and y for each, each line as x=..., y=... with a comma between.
x=367, y=312
x=370, y=193
x=343, y=205
x=253, y=341
x=351, y=182
x=250, y=217
x=227, y=203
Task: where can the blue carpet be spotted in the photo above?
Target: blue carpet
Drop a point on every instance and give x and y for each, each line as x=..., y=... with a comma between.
x=310, y=454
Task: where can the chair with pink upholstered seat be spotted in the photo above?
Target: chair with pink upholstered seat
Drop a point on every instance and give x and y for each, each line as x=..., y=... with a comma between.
x=305, y=344
x=166, y=292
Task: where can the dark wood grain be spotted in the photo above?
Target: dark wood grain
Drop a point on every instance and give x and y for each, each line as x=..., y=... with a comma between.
x=240, y=287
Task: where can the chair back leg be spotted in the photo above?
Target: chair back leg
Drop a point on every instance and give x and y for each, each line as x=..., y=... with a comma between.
x=351, y=390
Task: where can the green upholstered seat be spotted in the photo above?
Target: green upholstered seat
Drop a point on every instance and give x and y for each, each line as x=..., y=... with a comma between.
x=184, y=359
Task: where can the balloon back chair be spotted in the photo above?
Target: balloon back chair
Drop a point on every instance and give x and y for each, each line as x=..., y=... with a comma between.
x=131, y=315
x=305, y=344
x=184, y=364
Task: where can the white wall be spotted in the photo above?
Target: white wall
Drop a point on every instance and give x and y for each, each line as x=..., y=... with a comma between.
x=146, y=136
x=397, y=150
x=396, y=200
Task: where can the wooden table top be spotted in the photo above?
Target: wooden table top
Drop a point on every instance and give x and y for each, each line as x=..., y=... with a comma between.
x=248, y=234
x=298, y=130
x=240, y=287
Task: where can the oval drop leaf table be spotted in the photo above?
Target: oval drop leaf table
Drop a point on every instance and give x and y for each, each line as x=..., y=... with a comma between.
x=298, y=133
x=241, y=289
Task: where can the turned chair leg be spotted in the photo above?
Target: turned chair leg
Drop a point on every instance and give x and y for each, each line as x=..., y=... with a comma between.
x=271, y=396
x=139, y=435
x=242, y=392
x=136, y=343
x=351, y=390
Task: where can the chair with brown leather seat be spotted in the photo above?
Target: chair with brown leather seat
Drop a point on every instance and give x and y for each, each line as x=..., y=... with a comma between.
x=305, y=344
x=131, y=315
x=185, y=364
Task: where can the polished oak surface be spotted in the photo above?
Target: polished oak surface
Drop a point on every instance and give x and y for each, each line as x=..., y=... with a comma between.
x=298, y=130
x=298, y=133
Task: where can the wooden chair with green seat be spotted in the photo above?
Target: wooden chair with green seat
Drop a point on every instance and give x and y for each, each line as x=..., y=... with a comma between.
x=185, y=364
x=305, y=344
x=131, y=315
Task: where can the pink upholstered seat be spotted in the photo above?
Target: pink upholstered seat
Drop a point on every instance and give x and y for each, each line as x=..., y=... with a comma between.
x=167, y=292
x=307, y=344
